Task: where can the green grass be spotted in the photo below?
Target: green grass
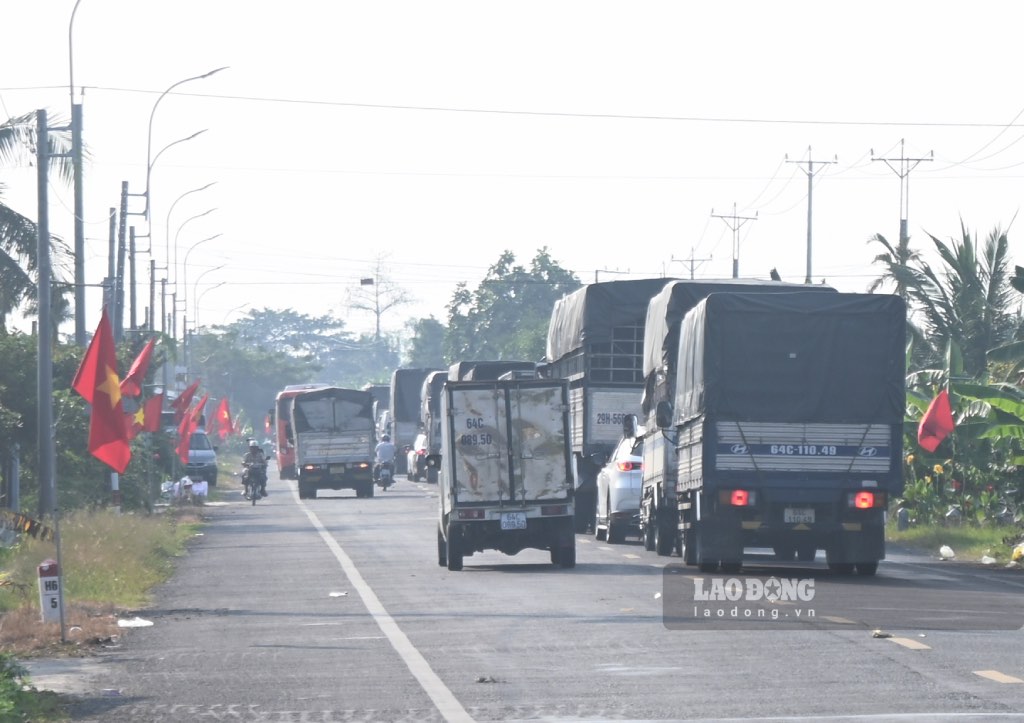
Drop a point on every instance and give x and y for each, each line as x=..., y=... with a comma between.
x=105, y=557
x=969, y=543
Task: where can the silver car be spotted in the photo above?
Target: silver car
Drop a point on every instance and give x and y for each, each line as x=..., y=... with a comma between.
x=618, y=491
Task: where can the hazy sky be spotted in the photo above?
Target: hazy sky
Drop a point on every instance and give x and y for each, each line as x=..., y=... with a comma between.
x=431, y=136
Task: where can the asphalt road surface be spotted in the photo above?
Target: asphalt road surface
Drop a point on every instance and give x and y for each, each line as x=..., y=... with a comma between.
x=335, y=609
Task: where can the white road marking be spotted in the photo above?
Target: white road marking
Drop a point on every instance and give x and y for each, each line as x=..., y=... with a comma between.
x=910, y=643
x=445, y=701
x=997, y=676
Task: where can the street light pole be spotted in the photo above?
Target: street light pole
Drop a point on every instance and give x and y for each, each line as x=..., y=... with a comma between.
x=76, y=160
x=149, y=142
x=167, y=226
x=178, y=233
x=184, y=269
x=198, y=296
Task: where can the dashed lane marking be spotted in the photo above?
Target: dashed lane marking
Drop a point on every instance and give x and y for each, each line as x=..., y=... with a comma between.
x=997, y=676
x=910, y=643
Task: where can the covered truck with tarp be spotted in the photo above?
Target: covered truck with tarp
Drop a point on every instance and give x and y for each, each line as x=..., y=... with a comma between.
x=787, y=423
x=595, y=342
x=662, y=322
x=404, y=415
x=334, y=440
x=505, y=471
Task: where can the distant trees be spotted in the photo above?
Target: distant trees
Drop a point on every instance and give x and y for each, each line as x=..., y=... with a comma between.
x=506, y=316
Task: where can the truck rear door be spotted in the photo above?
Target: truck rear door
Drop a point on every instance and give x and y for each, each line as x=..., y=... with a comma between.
x=478, y=416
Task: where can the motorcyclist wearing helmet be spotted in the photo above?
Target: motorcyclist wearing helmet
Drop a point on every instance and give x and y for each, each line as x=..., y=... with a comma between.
x=385, y=453
x=255, y=458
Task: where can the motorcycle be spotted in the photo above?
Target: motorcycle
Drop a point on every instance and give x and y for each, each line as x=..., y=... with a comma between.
x=254, y=477
x=385, y=475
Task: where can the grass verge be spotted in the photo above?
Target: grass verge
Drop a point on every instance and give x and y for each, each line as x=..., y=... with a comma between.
x=110, y=563
x=969, y=543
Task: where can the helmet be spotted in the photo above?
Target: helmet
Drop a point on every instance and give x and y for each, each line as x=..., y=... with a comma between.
x=386, y=438
x=252, y=443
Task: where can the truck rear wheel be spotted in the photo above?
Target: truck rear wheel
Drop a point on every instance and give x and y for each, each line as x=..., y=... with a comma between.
x=648, y=535
x=664, y=542
x=453, y=550
x=867, y=568
x=442, y=549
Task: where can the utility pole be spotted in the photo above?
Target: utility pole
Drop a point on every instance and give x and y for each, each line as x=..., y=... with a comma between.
x=906, y=165
x=119, y=284
x=132, y=300
x=76, y=159
x=44, y=337
x=692, y=262
x=736, y=223
x=810, y=171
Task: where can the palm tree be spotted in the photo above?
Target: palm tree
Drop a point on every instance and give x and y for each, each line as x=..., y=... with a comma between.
x=968, y=301
x=18, y=234
x=897, y=261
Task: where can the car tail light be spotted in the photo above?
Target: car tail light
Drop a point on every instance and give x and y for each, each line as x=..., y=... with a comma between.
x=554, y=509
x=866, y=499
x=471, y=514
x=629, y=466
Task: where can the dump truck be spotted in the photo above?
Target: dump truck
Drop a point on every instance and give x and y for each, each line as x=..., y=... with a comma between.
x=595, y=341
x=787, y=425
x=334, y=436
x=505, y=469
x=663, y=319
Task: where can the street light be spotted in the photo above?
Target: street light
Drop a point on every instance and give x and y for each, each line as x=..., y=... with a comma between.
x=167, y=227
x=198, y=296
x=149, y=141
x=184, y=270
x=178, y=233
x=149, y=231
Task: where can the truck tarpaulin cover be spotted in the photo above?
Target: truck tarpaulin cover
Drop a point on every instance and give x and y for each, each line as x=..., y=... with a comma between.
x=488, y=370
x=588, y=315
x=666, y=311
x=333, y=409
x=406, y=385
x=834, y=358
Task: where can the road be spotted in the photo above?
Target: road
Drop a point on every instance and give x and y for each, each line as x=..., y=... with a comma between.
x=335, y=609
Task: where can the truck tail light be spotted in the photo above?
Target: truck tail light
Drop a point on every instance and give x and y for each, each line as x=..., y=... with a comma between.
x=554, y=509
x=737, y=498
x=629, y=466
x=471, y=514
x=363, y=465
x=866, y=499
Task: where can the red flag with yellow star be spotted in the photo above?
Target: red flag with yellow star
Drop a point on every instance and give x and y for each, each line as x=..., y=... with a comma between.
x=222, y=419
x=99, y=385
x=189, y=424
